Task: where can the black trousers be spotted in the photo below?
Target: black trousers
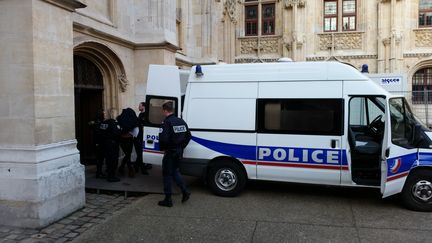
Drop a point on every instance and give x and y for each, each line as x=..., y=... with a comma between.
x=138, y=144
x=126, y=145
x=99, y=157
x=111, y=154
x=170, y=172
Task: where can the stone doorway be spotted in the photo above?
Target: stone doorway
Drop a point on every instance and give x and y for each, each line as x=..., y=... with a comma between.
x=88, y=101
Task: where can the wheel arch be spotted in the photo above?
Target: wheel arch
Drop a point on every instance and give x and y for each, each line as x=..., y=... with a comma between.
x=224, y=158
x=420, y=168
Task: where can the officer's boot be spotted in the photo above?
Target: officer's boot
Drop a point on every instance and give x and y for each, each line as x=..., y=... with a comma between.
x=143, y=169
x=167, y=202
x=186, y=196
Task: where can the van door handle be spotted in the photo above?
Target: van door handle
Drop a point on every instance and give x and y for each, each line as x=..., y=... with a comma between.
x=387, y=152
x=333, y=143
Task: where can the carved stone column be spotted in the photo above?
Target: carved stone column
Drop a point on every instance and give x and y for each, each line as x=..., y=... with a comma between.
x=295, y=42
x=390, y=38
x=230, y=18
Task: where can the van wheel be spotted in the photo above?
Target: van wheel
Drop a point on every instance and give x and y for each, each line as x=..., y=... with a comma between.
x=226, y=178
x=417, y=191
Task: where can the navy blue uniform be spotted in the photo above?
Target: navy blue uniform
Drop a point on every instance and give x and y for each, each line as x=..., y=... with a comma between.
x=109, y=133
x=94, y=125
x=173, y=138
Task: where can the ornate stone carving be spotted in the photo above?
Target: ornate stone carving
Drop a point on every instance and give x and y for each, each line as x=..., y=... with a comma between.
x=383, y=1
x=292, y=3
x=423, y=37
x=123, y=82
x=347, y=57
x=418, y=55
x=397, y=35
x=341, y=41
x=325, y=42
x=230, y=9
x=248, y=46
x=269, y=45
x=255, y=60
x=386, y=41
x=266, y=45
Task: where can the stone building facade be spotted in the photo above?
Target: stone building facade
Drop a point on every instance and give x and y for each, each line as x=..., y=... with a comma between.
x=61, y=60
x=388, y=35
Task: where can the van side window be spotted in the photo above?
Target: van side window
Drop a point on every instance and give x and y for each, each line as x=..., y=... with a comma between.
x=155, y=115
x=403, y=124
x=301, y=116
x=362, y=110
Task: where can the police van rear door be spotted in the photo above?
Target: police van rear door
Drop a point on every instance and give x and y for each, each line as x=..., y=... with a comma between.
x=163, y=85
x=300, y=132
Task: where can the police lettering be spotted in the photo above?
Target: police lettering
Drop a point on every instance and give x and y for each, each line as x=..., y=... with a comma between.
x=179, y=129
x=299, y=155
x=390, y=80
x=152, y=137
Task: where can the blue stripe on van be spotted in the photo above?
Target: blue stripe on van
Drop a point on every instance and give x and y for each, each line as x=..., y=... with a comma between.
x=235, y=150
x=249, y=152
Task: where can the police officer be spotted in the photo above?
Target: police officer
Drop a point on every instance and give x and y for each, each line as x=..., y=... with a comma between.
x=138, y=141
x=109, y=131
x=173, y=138
x=94, y=125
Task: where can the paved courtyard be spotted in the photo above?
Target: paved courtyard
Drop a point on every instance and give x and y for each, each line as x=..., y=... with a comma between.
x=267, y=212
x=98, y=208
x=264, y=212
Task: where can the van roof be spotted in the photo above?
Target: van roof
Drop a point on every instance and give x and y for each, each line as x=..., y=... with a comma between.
x=285, y=71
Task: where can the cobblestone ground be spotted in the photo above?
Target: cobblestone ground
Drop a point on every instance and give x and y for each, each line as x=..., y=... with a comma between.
x=98, y=208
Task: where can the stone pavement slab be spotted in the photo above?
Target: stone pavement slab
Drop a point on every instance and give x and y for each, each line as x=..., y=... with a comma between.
x=371, y=235
x=172, y=229
x=151, y=183
x=72, y=225
x=287, y=232
x=269, y=213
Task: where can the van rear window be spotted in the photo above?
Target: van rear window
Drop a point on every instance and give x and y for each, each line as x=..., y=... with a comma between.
x=301, y=116
x=154, y=109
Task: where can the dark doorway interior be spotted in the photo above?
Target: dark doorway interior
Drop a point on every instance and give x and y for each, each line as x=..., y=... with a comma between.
x=88, y=100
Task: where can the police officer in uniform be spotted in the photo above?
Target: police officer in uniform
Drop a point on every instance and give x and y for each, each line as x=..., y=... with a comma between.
x=95, y=125
x=109, y=131
x=173, y=138
x=138, y=141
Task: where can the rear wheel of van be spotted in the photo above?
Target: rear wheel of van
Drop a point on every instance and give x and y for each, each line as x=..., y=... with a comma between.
x=417, y=192
x=226, y=178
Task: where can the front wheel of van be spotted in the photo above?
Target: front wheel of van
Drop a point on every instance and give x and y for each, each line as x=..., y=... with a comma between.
x=417, y=192
x=226, y=178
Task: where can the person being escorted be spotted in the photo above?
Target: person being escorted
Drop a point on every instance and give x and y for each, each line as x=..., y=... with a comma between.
x=128, y=122
x=173, y=138
x=98, y=142
x=109, y=131
x=138, y=141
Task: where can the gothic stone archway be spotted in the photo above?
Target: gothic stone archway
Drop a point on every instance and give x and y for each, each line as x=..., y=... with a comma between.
x=88, y=100
x=99, y=77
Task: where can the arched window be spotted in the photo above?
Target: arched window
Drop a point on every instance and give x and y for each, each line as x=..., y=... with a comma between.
x=422, y=85
x=425, y=13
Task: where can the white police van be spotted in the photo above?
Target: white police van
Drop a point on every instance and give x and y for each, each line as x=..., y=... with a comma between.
x=308, y=122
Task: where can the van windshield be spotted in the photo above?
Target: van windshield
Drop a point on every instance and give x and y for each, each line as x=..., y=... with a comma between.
x=406, y=130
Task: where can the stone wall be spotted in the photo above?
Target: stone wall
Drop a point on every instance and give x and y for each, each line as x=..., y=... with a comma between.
x=41, y=179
